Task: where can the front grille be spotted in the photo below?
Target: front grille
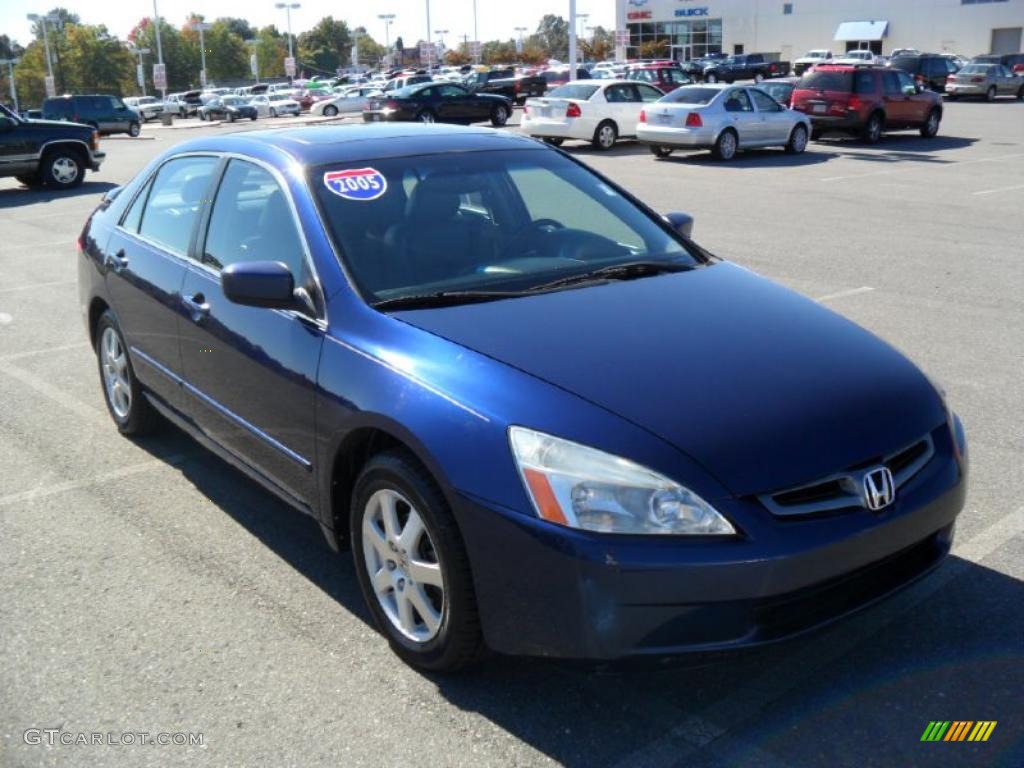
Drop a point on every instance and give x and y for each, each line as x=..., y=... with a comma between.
x=844, y=490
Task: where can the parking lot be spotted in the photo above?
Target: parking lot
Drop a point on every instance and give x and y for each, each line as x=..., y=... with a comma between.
x=149, y=587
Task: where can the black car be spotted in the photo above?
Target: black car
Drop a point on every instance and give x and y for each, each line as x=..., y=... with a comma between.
x=228, y=108
x=505, y=82
x=439, y=103
x=744, y=66
x=107, y=114
x=929, y=70
x=695, y=67
x=47, y=152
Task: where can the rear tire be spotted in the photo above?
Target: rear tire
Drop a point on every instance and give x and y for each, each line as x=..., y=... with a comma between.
x=128, y=406
x=273, y=112
x=659, y=151
x=872, y=129
x=605, y=136
x=499, y=116
x=711, y=77
x=931, y=125
x=726, y=145
x=1020, y=94
x=62, y=168
x=457, y=640
x=134, y=129
x=553, y=141
x=797, y=140
x=951, y=97
x=426, y=116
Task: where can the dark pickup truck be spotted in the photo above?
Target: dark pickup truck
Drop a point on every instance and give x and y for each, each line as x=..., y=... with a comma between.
x=48, y=152
x=744, y=66
x=504, y=82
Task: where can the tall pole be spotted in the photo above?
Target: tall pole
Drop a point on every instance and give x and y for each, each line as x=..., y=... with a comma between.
x=288, y=14
x=428, y=28
x=159, y=47
x=14, y=90
x=476, y=34
x=140, y=52
x=46, y=44
x=387, y=18
x=202, y=27
x=572, y=39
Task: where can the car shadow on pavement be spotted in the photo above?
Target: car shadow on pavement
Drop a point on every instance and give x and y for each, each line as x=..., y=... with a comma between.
x=897, y=147
x=753, y=158
x=18, y=196
x=294, y=537
x=860, y=692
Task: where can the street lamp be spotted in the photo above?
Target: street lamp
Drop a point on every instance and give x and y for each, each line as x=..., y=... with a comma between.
x=159, y=55
x=10, y=70
x=572, y=39
x=202, y=27
x=288, y=11
x=140, y=71
x=440, y=35
x=582, y=19
x=46, y=44
x=388, y=19
x=254, y=59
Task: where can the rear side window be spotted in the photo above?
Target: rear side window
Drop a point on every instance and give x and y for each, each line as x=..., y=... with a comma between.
x=827, y=81
x=891, y=82
x=176, y=197
x=693, y=95
x=573, y=91
x=764, y=102
x=252, y=221
x=863, y=82
x=648, y=93
x=134, y=215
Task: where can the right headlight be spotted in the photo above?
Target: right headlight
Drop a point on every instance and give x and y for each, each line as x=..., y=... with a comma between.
x=580, y=487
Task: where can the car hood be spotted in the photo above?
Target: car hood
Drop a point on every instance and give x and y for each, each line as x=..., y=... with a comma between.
x=763, y=387
x=67, y=126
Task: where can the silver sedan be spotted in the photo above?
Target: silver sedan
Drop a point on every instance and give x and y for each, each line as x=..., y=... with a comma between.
x=985, y=80
x=723, y=118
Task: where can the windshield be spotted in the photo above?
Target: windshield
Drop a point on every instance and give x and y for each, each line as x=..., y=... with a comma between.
x=505, y=220
x=695, y=95
x=572, y=91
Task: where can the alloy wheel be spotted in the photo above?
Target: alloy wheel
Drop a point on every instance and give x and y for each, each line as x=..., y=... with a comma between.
x=403, y=566
x=606, y=137
x=116, y=379
x=64, y=170
x=426, y=117
x=727, y=145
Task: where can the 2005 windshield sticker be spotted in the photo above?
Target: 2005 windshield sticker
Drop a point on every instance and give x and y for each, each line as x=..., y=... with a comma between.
x=360, y=184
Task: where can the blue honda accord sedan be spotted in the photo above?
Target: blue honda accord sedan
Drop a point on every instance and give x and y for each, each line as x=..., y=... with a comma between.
x=544, y=420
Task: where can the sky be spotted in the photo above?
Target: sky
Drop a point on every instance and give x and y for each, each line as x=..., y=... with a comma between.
x=496, y=19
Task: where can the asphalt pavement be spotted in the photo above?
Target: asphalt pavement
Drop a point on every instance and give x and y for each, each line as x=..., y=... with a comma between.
x=148, y=588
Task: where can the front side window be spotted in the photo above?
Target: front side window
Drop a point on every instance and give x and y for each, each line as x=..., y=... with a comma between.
x=764, y=102
x=174, y=202
x=738, y=101
x=615, y=94
x=904, y=81
x=648, y=93
x=891, y=82
x=503, y=220
x=252, y=221
x=451, y=92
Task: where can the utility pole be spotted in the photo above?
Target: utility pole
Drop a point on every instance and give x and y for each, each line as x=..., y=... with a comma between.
x=289, y=65
x=159, y=54
x=572, y=40
x=428, y=31
x=51, y=83
x=10, y=71
x=201, y=27
x=387, y=18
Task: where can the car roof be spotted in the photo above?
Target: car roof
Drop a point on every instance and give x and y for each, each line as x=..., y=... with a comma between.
x=355, y=142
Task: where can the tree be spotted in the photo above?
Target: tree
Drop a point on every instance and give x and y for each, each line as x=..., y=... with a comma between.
x=326, y=45
x=654, y=49
x=553, y=36
x=370, y=51
x=96, y=61
x=181, y=57
x=9, y=49
x=271, y=49
x=456, y=57
x=239, y=27
x=498, y=52
x=228, y=55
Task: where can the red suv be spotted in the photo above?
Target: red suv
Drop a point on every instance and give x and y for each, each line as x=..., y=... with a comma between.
x=664, y=77
x=864, y=101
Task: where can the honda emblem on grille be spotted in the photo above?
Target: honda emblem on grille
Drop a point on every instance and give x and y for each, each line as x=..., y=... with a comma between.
x=879, y=489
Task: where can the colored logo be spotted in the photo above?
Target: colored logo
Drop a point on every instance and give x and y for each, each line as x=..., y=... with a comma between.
x=357, y=183
x=959, y=730
x=703, y=11
x=637, y=3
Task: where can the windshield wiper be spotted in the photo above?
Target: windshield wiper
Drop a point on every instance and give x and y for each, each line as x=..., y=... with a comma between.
x=443, y=299
x=625, y=271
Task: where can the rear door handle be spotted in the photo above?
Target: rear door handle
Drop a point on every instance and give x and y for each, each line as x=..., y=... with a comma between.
x=197, y=306
x=117, y=260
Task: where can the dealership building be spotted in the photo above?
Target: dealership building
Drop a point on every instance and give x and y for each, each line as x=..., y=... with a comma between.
x=693, y=28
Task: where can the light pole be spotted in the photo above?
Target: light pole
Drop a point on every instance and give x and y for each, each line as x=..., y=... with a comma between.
x=520, y=30
x=202, y=27
x=428, y=28
x=388, y=19
x=582, y=19
x=288, y=12
x=140, y=71
x=46, y=44
x=10, y=71
x=159, y=53
x=254, y=59
x=572, y=39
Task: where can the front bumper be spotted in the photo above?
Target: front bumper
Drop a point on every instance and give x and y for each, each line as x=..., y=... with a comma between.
x=544, y=590
x=96, y=158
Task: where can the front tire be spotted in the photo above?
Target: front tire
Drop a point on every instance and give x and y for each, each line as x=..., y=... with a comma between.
x=659, y=151
x=412, y=564
x=554, y=141
x=330, y=111
x=426, y=116
x=990, y=94
x=711, y=77
x=499, y=116
x=797, y=140
x=273, y=112
x=128, y=406
x=63, y=169
x=726, y=145
x=605, y=136
x=931, y=125
x=134, y=129
x=1020, y=94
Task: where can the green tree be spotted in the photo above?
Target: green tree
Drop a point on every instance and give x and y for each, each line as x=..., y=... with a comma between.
x=271, y=49
x=9, y=49
x=370, y=51
x=240, y=27
x=553, y=36
x=96, y=61
x=326, y=46
x=29, y=75
x=180, y=57
x=227, y=57
x=498, y=52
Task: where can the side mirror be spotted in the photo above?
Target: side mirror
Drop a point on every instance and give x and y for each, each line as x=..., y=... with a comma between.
x=911, y=90
x=266, y=284
x=681, y=223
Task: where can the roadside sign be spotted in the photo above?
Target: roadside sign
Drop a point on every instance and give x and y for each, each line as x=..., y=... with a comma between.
x=51, y=88
x=427, y=53
x=474, y=49
x=140, y=75
x=519, y=45
x=289, y=66
x=160, y=76
x=622, y=37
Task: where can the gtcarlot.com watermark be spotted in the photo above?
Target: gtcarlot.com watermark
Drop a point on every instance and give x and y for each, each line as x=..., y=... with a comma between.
x=54, y=737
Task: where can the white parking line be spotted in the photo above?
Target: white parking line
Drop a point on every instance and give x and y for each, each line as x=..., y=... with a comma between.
x=904, y=166
x=858, y=175
x=50, y=284
x=701, y=730
x=57, y=395
x=998, y=189
x=46, y=351
x=71, y=485
x=843, y=294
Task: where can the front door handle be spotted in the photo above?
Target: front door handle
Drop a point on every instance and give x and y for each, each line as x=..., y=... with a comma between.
x=117, y=260
x=197, y=306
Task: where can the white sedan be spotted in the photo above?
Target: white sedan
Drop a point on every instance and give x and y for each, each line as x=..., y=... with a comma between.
x=598, y=111
x=275, y=104
x=350, y=101
x=722, y=118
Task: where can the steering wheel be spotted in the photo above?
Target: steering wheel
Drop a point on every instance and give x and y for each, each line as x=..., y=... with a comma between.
x=545, y=223
x=522, y=242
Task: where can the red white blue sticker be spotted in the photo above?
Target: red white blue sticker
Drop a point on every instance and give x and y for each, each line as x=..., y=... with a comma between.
x=360, y=184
